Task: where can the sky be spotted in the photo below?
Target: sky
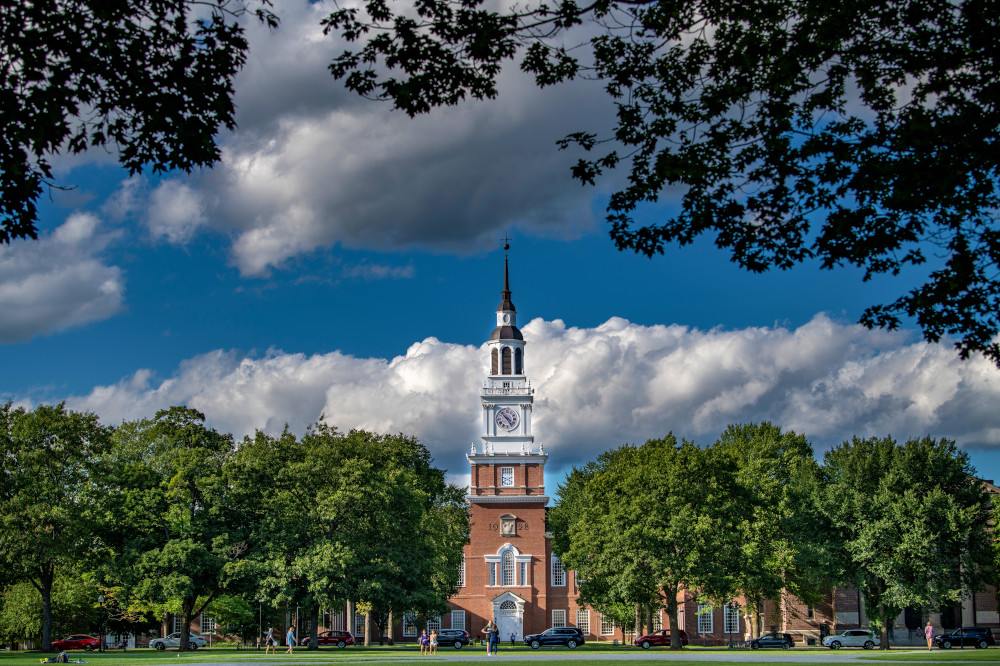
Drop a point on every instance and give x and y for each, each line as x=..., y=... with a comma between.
x=344, y=261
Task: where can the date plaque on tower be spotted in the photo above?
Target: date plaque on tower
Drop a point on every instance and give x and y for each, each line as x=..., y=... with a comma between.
x=508, y=525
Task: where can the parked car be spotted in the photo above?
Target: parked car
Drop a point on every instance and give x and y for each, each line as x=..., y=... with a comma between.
x=862, y=638
x=454, y=637
x=76, y=642
x=568, y=636
x=771, y=640
x=333, y=637
x=174, y=641
x=980, y=637
x=659, y=638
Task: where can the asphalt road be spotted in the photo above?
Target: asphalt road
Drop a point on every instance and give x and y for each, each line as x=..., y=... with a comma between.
x=466, y=656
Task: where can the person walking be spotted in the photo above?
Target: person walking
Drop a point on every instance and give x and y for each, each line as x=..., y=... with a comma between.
x=269, y=643
x=512, y=639
x=488, y=630
x=929, y=634
x=495, y=636
x=434, y=642
x=424, y=641
x=290, y=639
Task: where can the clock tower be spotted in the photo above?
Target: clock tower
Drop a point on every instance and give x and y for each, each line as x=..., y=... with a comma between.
x=507, y=560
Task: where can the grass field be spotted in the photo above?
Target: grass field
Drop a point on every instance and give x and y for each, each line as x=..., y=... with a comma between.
x=594, y=654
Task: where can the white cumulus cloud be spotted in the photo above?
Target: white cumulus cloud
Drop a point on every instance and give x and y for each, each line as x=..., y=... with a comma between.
x=58, y=281
x=598, y=388
x=314, y=166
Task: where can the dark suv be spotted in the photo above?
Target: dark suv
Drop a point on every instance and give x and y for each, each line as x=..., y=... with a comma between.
x=568, y=636
x=455, y=637
x=771, y=640
x=980, y=637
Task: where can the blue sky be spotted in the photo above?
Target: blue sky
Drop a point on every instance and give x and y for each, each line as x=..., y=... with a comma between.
x=346, y=260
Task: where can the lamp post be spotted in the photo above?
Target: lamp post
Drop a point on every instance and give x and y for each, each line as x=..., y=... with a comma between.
x=260, y=624
x=100, y=602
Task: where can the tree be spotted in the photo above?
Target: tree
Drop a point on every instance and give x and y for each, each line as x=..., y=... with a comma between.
x=358, y=516
x=645, y=523
x=181, y=533
x=912, y=519
x=152, y=79
x=49, y=465
x=786, y=540
x=862, y=134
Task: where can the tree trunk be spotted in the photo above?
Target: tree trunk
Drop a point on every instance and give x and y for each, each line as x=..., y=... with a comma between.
x=187, y=605
x=388, y=629
x=314, y=625
x=639, y=620
x=674, y=615
x=649, y=617
x=882, y=616
x=368, y=628
x=47, y=575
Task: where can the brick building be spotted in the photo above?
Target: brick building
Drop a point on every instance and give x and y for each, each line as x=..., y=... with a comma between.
x=510, y=573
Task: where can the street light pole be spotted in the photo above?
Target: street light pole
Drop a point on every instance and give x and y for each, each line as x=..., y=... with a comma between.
x=260, y=625
x=100, y=601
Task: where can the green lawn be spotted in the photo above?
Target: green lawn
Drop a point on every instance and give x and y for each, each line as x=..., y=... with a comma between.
x=146, y=657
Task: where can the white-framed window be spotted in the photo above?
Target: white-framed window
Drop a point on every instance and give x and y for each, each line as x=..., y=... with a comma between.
x=523, y=572
x=207, y=624
x=583, y=620
x=458, y=619
x=731, y=619
x=657, y=621
x=359, y=624
x=410, y=623
x=607, y=625
x=177, y=624
x=461, y=572
x=506, y=476
x=507, y=564
x=558, y=575
x=810, y=612
x=434, y=623
x=704, y=619
x=558, y=618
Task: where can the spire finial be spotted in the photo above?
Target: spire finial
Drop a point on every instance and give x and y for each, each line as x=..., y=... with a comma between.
x=505, y=302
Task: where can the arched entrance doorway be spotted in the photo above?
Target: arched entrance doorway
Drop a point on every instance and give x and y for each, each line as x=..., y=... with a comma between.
x=508, y=609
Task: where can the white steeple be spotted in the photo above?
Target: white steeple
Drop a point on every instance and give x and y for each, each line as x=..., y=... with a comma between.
x=507, y=395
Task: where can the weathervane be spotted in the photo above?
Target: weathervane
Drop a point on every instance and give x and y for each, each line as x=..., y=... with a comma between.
x=506, y=242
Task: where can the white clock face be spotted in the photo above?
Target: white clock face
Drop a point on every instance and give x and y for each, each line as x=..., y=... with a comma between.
x=507, y=418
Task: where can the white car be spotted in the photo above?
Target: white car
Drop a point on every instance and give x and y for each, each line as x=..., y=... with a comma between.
x=174, y=641
x=862, y=638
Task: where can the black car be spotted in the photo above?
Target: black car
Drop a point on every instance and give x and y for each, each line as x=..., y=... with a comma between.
x=568, y=636
x=454, y=637
x=980, y=637
x=771, y=640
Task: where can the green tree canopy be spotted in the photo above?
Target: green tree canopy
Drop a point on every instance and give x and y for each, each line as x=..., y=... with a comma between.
x=642, y=524
x=912, y=519
x=49, y=476
x=858, y=133
x=786, y=541
x=151, y=79
x=358, y=516
x=179, y=530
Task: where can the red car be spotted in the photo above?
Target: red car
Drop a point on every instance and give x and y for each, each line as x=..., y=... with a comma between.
x=339, y=638
x=659, y=638
x=76, y=642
